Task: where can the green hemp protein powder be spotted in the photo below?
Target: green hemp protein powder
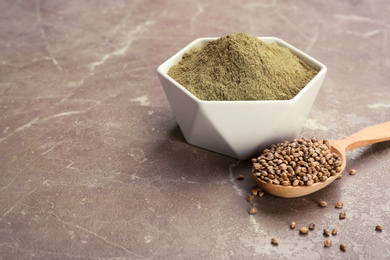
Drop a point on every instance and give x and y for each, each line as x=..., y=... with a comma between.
x=242, y=67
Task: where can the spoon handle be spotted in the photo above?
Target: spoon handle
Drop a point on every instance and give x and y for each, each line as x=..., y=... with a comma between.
x=370, y=135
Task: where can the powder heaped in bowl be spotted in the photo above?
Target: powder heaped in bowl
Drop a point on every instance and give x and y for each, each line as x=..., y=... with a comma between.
x=242, y=67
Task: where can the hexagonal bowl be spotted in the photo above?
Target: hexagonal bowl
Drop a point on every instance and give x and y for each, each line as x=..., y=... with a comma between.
x=239, y=129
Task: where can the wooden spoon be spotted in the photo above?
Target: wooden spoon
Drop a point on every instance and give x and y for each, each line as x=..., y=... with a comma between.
x=370, y=135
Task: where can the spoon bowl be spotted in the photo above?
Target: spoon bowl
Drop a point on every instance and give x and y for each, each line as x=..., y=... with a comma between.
x=370, y=135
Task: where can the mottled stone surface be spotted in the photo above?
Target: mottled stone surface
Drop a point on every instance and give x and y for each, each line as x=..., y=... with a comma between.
x=94, y=166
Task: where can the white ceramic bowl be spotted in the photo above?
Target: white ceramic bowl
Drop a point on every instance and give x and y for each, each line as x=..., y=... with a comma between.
x=240, y=129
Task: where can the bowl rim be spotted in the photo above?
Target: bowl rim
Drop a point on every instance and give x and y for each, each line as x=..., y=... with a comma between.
x=162, y=70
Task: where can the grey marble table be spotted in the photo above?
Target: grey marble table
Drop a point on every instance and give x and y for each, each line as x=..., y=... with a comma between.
x=94, y=166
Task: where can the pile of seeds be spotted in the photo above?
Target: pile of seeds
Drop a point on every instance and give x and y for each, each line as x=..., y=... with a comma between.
x=301, y=162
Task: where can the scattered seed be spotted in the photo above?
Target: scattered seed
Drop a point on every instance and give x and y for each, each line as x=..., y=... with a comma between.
x=343, y=247
x=322, y=203
x=304, y=230
x=312, y=226
x=240, y=177
x=379, y=228
x=352, y=172
x=339, y=205
x=292, y=225
x=326, y=232
x=252, y=211
x=334, y=231
x=342, y=215
x=275, y=241
x=328, y=243
x=250, y=198
x=256, y=191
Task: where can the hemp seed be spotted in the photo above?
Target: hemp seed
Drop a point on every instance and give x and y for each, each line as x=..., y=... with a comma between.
x=352, y=172
x=379, y=228
x=339, y=205
x=304, y=230
x=322, y=203
x=328, y=243
x=256, y=191
x=326, y=232
x=309, y=183
x=250, y=198
x=334, y=231
x=252, y=211
x=312, y=226
x=292, y=225
x=240, y=177
x=275, y=241
x=343, y=247
x=342, y=215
